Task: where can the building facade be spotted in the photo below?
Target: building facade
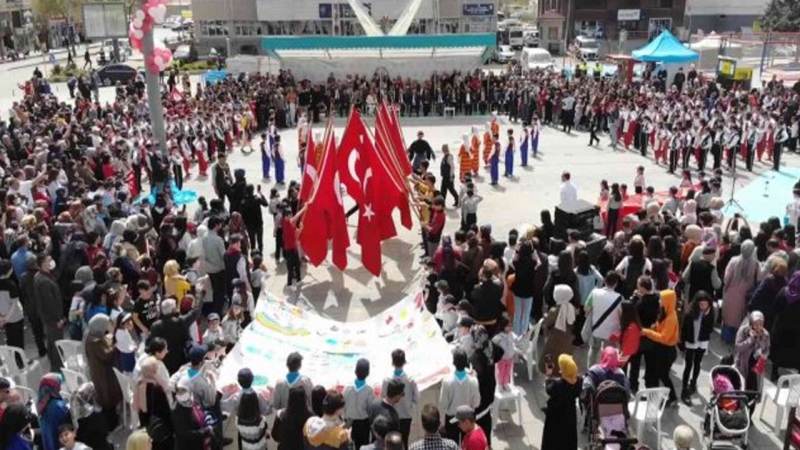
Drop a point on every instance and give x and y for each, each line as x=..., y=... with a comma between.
x=15, y=24
x=723, y=15
x=561, y=20
x=244, y=22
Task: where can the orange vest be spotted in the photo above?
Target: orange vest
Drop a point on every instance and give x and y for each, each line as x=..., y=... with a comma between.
x=464, y=161
x=488, y=146
x=475, y=149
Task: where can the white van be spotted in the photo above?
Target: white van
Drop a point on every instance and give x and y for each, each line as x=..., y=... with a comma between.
x=536, y=58
x=588, y=48
x=515, y=37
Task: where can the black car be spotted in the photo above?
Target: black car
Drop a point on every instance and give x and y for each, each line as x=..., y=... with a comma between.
x=113, y=73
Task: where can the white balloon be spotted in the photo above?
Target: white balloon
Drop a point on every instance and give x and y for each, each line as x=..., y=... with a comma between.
x=137, y=22
x=138, y=15
x=157, y=13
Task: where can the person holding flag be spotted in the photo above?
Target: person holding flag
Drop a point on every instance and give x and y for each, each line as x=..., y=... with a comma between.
x=509, y=155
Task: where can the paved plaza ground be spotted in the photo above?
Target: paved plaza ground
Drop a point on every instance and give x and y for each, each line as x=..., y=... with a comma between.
x=354, y=294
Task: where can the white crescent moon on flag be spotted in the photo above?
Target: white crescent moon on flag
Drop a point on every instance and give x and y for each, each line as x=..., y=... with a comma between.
x=351, y=165
x=367, y=176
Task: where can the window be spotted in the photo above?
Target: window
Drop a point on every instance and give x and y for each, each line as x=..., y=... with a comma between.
x=590, y=4
x=553, y=33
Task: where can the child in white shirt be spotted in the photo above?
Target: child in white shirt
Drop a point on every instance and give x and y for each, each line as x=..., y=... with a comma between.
x=505, y=340
x=125, y=343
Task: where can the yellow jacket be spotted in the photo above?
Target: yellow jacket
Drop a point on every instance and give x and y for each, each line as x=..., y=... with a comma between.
x=666, y=331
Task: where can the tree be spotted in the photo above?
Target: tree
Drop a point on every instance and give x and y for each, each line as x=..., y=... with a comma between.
x=782, y=15
x=56, y=9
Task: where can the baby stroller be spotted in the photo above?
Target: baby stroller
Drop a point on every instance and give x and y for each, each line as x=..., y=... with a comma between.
x=727, y=418
x=608, y=417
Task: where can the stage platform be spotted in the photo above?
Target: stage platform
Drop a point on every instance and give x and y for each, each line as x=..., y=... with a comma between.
x=765, y=196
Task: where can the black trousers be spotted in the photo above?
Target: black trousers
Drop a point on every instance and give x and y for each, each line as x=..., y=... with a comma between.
x=219, y=290
x=53, y=333
x=673, y=160
x=659, y=362
x=691, y=370
x=292, y=266
x=701, y=165
x=360, y=432
x=593, y=136
x=776, y=156
x=751, y=154
x=256, y=234
x=278, y=243
x=15, y=337
x=643, y=137
x=177, y=171
x=405, y=430
x=632, y=369
x=611, y=222
x=447, y=186
x=38, y=333
x=716, y=152
x=686, y=153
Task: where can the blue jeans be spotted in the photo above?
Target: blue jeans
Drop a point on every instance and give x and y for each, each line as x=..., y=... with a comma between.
x=522, y=314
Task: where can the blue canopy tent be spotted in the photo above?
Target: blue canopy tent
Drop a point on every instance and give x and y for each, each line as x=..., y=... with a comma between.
x=665, y=49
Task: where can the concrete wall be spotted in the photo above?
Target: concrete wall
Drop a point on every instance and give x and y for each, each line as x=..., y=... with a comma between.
x=720, y=24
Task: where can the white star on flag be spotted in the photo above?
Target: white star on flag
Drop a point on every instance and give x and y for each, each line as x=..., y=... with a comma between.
x=368, y=212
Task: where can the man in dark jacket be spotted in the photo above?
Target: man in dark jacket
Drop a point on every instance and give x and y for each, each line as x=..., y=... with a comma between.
x=487, y=298
x=253, y=219
x=174, y=328
x=50, y=307
x=28, y=294
x=420, y=150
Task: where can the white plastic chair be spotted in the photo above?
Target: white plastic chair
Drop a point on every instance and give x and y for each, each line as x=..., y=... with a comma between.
x=779, y=394
x=527, y=348
x=501, y=397
x=647, y=408
x=72, y=380
x=28, y=397
x=9, y=367
x=126, y=386
x=72, y=354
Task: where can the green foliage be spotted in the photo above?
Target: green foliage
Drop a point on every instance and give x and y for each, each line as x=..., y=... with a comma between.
x=61, y=74
x=57, y=8
x=195, y=67
x=782, y=15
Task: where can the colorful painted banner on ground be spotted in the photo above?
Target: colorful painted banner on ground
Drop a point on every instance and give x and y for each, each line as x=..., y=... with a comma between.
x=330, y=348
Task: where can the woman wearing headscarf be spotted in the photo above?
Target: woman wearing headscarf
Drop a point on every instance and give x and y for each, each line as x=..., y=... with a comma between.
x=662, y=353
x=100, y=357
x=52, y=410
x=15, y=432
x=607, y=369
x=114, y=236
x=152, y=398
x=189, y=419
x=763, y=298
x=557, y=325
x=740, y=277
x=175, y=284
x=561, y=420
x=752, y=350
x=88, y=418
x=785, y=348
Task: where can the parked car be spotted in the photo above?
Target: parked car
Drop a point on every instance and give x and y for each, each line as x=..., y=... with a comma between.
x=185, y=25
x=172, y=21
x=504, y=54
x=536, y=58
x=588, y=48
x=114, y=73
x=185, y=53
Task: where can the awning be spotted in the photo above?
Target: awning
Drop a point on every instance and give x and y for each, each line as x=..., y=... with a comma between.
x=665, y=48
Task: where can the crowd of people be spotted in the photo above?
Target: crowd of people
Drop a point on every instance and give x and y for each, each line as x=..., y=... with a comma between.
x=158, y=294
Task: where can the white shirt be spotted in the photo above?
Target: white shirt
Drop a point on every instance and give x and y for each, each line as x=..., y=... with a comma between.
x=600, y=300
x=569, y=193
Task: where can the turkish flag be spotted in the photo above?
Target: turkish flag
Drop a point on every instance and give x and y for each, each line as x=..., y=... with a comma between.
x=396, y=135
x=394, y=158
x=310, y=167
x=353, y=156
x=324, y=218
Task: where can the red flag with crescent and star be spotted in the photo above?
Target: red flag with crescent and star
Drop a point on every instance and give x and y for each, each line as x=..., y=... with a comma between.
x=324, y=218
x=370, y=180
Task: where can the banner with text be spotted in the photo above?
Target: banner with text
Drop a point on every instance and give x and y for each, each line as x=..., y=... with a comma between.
x=331, y=348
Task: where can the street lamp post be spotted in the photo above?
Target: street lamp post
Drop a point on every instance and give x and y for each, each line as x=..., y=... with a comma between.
x=154, y=94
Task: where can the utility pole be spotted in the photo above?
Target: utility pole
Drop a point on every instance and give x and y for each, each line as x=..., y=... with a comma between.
x=154, y=94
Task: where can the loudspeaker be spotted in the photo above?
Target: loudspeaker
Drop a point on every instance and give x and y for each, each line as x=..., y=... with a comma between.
x=578, y=215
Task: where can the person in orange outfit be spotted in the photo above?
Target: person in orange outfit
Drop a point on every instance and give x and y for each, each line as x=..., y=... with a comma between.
x=488, y=144
x=465, y=162
x=475, y=150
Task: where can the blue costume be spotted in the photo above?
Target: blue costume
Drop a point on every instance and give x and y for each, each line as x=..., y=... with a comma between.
x=523, y=151
x=494, y=164
x=509, y=159
x=277, y=158
x=535, y=140
x=265, y=158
